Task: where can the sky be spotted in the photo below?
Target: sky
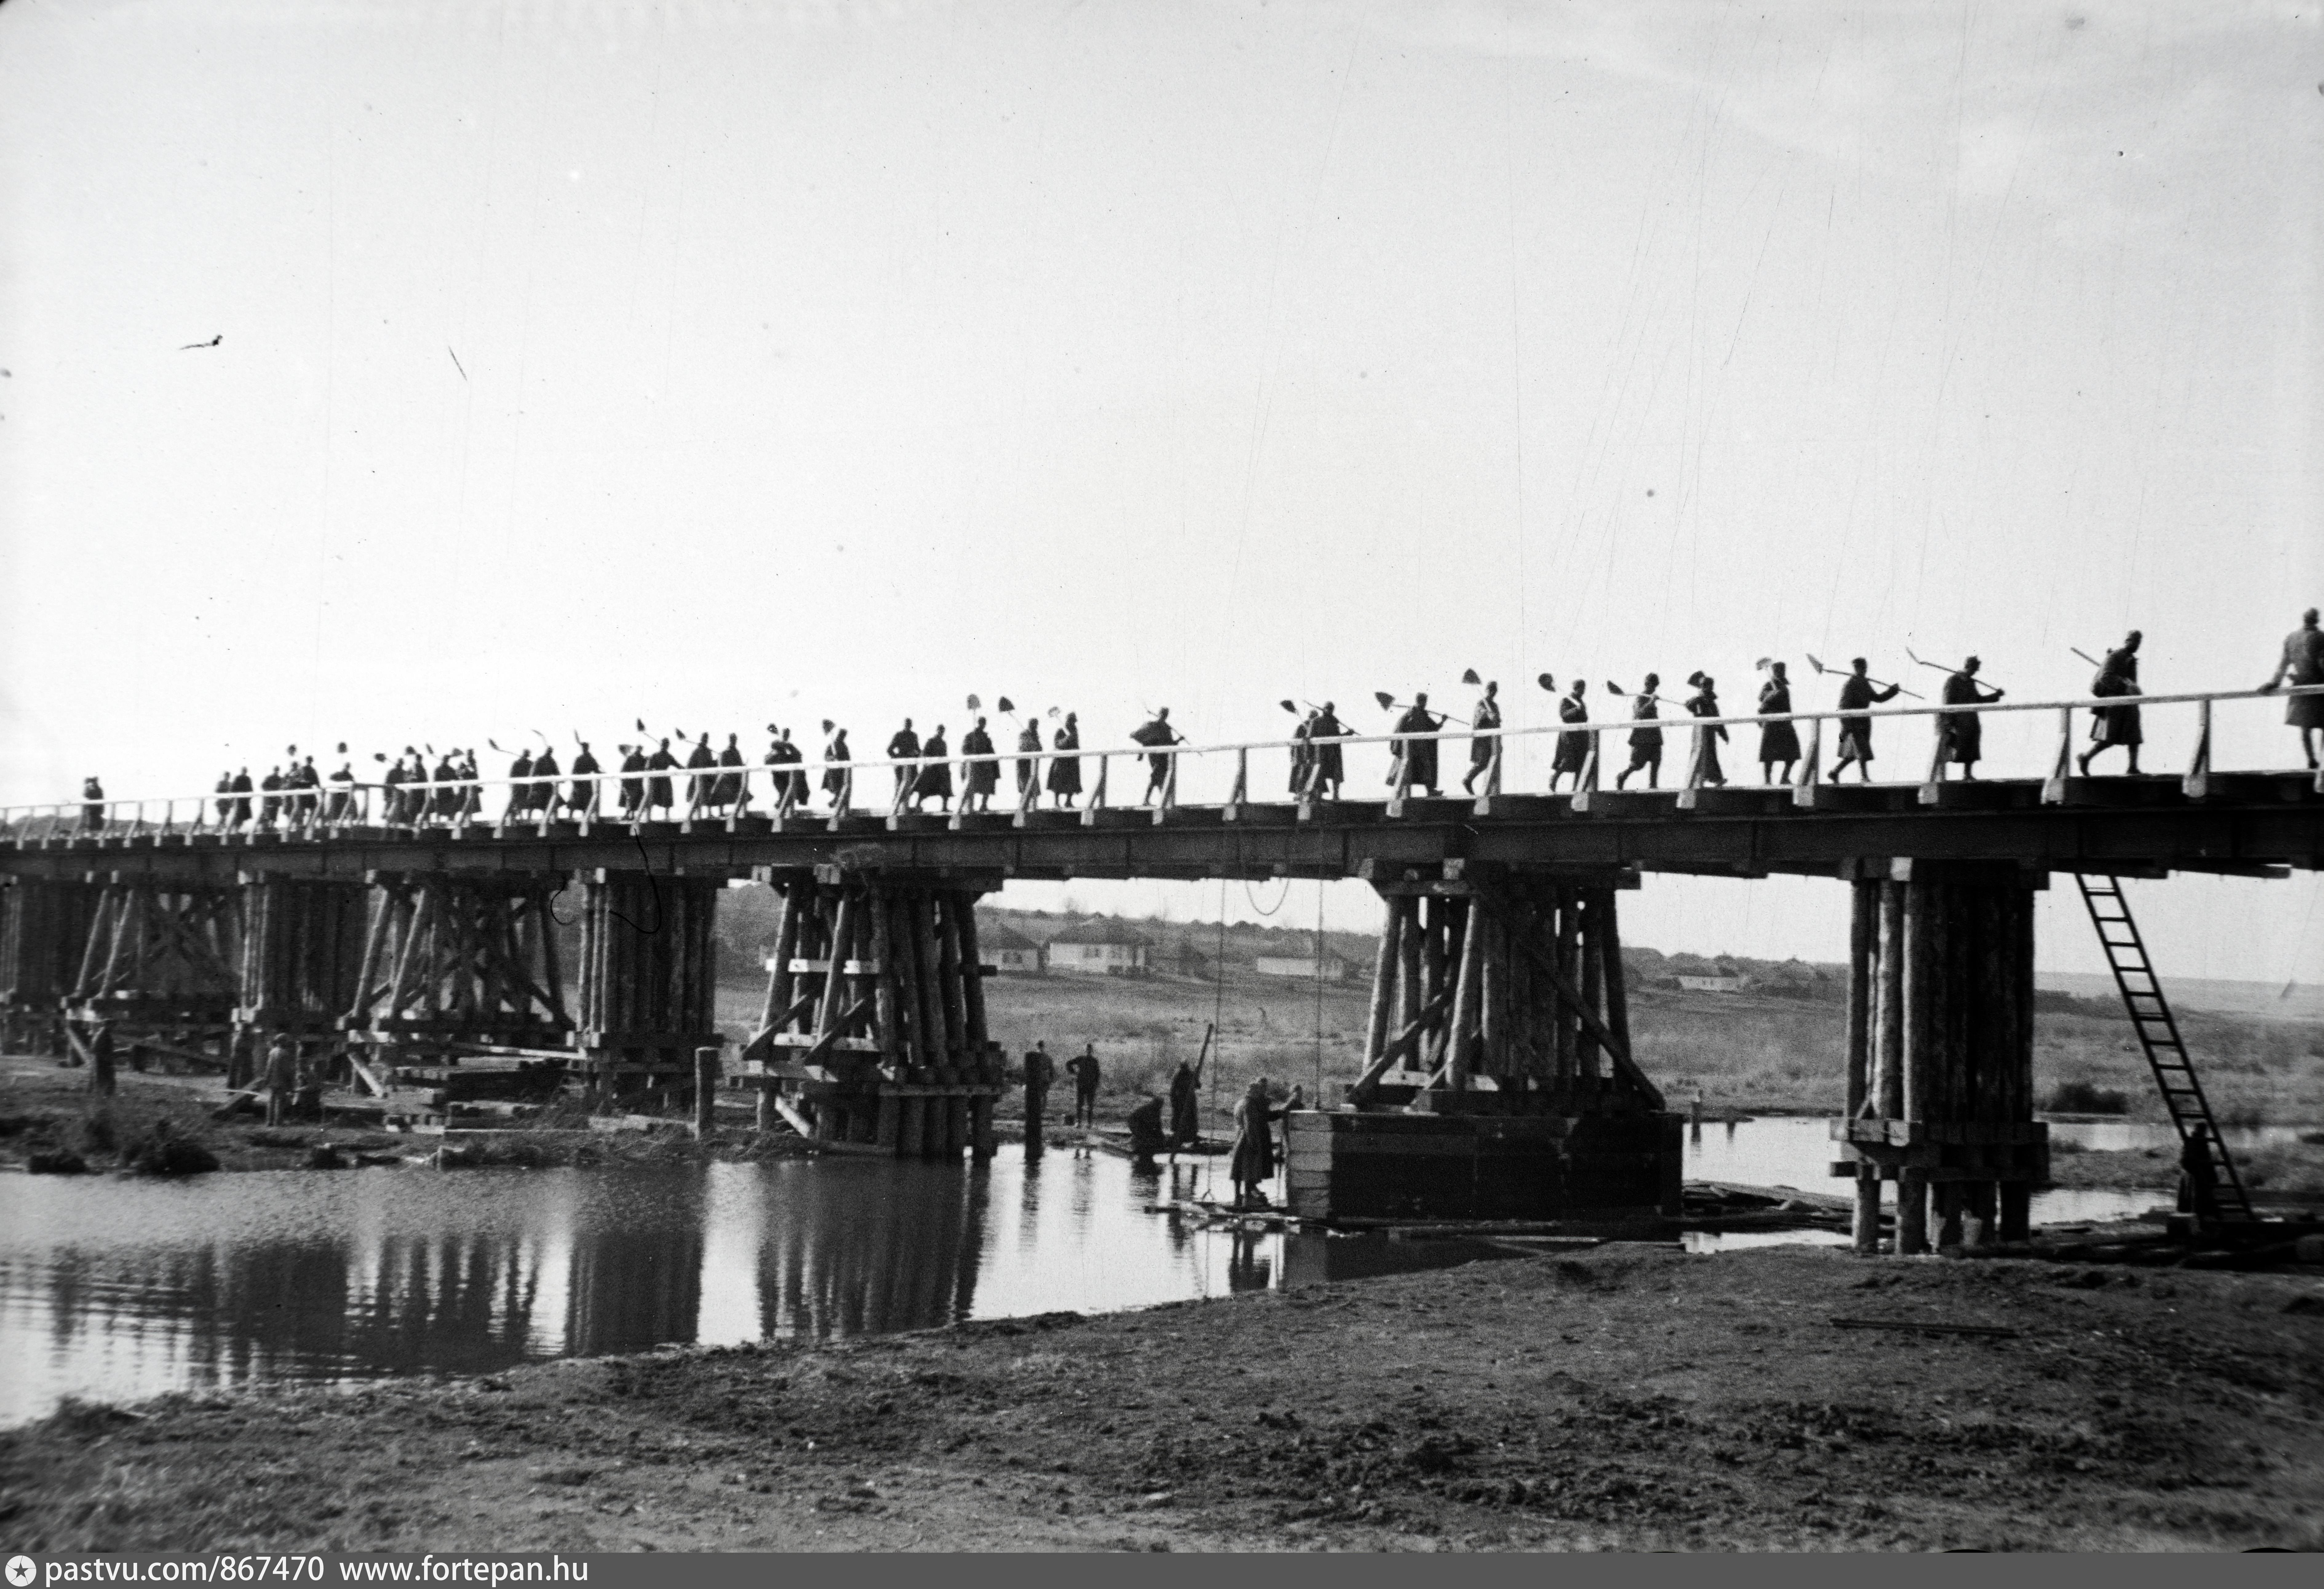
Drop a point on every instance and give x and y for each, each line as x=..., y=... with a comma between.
x=728, y=364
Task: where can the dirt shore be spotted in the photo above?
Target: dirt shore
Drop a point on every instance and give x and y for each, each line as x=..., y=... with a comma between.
x=1627, y=1398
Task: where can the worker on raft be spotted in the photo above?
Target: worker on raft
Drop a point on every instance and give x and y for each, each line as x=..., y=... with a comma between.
x=1858, y=691
x=1146, y=1137
x=1961, y=736
x=2116, y=725
x=1253, y=1162
x=1415, y=766
x=1185, y=1105
x=1083, y=1068
x=2303, y=663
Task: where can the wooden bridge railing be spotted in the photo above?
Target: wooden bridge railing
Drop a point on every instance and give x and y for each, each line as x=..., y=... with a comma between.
x=315, y=812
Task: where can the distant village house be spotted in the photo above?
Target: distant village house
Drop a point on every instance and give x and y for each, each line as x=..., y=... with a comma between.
x=1100, y=946
x=1711, y=984
x=1008, y=951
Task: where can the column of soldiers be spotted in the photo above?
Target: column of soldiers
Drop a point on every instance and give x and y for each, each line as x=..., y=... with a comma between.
x=411, y=793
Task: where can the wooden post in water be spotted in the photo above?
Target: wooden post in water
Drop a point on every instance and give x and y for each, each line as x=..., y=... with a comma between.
x=706, y=1092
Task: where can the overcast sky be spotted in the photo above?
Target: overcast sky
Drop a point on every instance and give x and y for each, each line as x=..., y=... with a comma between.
x=723, y=363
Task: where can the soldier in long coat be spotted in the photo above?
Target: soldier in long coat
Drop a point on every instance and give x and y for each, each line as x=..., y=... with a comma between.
x=583, y=798
x=660, y=795
x=633, y=789
x=520, y=793
x=836, y=773
x=1572, y=743
x=270, y=806
x=2302, y=663
x=935, y=777
x=1156, y=731
x=1029, y=756
x=701, y=792
x=903, y=746
x=2117, y=725
x=92, y=815
x=977, y=780
x=728, y=791
x=1417, y=756
x=1330, y=770
x=546, y=771
x=1963, y=733
x=1778, y=741
x=1704, y=703
x=1484, y=735
x=226, y=799
x=1646, y=743
x=342, y=802
x=1065, y=768
x=1857, y=692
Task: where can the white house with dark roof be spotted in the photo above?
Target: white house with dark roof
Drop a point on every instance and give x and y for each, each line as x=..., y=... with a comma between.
x=1008, y=951
x=1100, y=946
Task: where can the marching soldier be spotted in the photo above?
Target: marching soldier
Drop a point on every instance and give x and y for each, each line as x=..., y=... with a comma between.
x=836, y=773
x=1572, y=743
x=701, y=793
x=342, y=803
x=226, y=799
x=1029, y=758
x=2302, y=663
x=1858, y=691
x=1065, y=767
x=1646, y=743
x=545, y=770
x=633, y=789
x=977, y=780
x=270, y=806
x=730, y=791
x=582, y=801
x=1158, y=731
x=1778, y=741
x=659, y=796
x=1484, y=738
x=904, y=745
x=520, y=793
x=1961, y=735
x=1416, y=764
x=1329, y=770
x=934, y=778
x=92, y=815
x=242, y=800
x=2116, y=725
x=1704, y=703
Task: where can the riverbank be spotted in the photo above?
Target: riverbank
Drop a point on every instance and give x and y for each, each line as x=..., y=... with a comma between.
x=1627, y=1397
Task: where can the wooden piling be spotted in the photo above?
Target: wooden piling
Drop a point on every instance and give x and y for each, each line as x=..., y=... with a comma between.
x=706, y=1092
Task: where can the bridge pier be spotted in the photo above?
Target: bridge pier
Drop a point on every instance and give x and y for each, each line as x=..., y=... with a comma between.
x=1940, y=1053
x=873, y=1029
x=458, y=984
x=649, y=983
x=300, y=964
x=43, y=932
x=160, y=960
x=1498, y=1080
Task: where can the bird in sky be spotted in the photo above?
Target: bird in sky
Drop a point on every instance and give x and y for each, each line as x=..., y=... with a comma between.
x=213, y=342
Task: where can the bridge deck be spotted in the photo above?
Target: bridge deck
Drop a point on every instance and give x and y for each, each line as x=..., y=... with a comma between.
x=2257, y=823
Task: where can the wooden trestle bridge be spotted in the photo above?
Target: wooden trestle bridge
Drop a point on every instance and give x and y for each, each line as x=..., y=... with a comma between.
x=573, y=949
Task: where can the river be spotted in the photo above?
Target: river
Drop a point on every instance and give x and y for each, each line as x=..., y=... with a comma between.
x=119, y=1288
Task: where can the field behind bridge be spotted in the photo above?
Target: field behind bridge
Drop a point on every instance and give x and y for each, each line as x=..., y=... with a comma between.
x=1754, y=1054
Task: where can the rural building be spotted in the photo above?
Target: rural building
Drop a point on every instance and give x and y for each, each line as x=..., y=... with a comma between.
x=1302, y=967
x=1711, y=984
x=1008, y=951
x=1100, y=946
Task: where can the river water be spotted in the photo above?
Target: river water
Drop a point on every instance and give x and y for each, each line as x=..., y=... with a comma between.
x=120, y=1289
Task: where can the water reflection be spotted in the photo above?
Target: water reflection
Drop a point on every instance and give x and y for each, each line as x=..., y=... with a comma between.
x=125, y=1289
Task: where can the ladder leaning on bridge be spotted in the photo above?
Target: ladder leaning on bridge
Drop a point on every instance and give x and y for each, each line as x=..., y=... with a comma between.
x=2158, y=1036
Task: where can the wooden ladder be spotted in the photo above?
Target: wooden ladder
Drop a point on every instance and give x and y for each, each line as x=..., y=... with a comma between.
x=2158, y=1036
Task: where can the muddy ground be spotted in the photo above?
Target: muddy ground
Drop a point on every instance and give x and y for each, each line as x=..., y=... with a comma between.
x=1627, y=1398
